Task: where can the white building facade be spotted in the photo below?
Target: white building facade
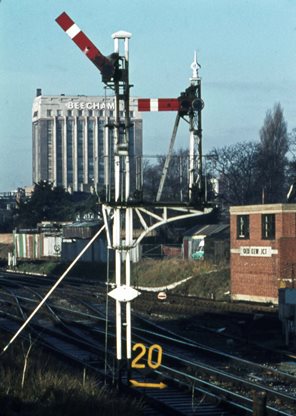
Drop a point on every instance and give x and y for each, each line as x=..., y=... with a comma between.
x=72, y=140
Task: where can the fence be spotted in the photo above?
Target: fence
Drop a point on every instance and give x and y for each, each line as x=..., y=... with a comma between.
x=159, y=251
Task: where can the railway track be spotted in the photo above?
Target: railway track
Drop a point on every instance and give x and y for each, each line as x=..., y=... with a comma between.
x=185, y=362
x=81, y=344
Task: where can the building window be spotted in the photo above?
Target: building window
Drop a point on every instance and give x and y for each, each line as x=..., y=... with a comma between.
x=268, y=226
x=70, y=127
x=90, y=148
x=80, y=147
x=59, y=113
x=49, y=134
x=49, y=113
x=242, y=227
x=69, y=113
x=80, y=113
x=59, y=152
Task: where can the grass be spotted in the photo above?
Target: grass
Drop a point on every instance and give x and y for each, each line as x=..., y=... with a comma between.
x=54, y=388
x=38, y=267
x=209, y=280
x=89, y=271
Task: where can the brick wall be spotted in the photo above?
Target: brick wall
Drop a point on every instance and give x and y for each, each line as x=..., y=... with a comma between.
x=258, y=277
x=287, y=262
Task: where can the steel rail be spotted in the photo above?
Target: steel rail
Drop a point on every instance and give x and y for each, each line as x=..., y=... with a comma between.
x=53, y=288
x=253, y=385
x=87, y=355
x=218, y=389
x=194, y=345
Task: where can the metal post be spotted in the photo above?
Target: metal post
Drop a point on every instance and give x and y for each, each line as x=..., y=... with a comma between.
x=116, y=144
x=259, y=403
x=107, y=155
x=106, y=162
x=122, y=192
x=206, y=181
x=126, y=88
x=128, y=211
x=168, y=159
x=199, y=137
x=195, y=140
x=117, y=219
x=181, y=177
x=116, y=245
x=191, y=157
x=129, y=241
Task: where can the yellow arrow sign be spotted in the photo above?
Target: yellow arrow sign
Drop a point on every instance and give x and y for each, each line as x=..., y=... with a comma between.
x=136, y=383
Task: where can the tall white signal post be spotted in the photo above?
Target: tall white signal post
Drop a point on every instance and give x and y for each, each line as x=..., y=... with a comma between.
x=122, y=212
x=122, y=204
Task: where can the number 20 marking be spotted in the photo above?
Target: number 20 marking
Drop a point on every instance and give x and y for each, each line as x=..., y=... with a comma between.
x=142, y=353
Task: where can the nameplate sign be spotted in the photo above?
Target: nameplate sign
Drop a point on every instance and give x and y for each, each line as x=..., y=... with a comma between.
x=256, y=251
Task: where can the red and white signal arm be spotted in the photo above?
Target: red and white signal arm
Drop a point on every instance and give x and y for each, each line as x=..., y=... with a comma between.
x=158, y=104
x=104, y=64
x=161, y=296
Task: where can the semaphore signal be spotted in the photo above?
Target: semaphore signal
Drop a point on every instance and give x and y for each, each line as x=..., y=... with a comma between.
x=103, y=63
x=120, y=209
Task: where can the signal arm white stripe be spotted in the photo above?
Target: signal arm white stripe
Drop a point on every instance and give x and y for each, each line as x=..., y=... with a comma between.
x=154, y=104
x=73, y=31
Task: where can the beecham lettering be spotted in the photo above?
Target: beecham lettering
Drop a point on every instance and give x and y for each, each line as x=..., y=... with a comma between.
x=81, y=105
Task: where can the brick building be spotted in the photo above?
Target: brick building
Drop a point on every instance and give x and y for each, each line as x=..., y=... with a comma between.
x=263, y=251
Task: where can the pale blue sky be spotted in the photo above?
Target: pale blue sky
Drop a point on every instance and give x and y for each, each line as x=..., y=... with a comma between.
x=246, y=49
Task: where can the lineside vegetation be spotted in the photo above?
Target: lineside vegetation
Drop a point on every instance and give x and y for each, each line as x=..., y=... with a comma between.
x=50, y=387
x=208, y=280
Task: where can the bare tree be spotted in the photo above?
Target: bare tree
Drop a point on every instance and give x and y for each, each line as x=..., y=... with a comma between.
x=176, y=183
x=272, y=159
x=151, y=178
x=291, y=173
x=236, y=168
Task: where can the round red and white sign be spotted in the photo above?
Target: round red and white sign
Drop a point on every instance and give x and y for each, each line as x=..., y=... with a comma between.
x=161, y=296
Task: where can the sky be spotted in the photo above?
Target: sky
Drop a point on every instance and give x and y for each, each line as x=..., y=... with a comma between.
x=246, y=49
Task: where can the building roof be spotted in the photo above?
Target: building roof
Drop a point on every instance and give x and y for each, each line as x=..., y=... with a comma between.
x=207, y=230
x=83, y=230
x=262, y=208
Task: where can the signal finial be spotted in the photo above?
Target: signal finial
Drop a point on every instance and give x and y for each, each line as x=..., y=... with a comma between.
x=195, y=66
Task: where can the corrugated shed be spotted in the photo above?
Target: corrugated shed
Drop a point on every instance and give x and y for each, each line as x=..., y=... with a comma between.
x=171, y=251
x=37, y=246
x=28, y=246
x=52, y=246
x=209, y=241
x=97, y=252
x=83, y=230
x=208, y=230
